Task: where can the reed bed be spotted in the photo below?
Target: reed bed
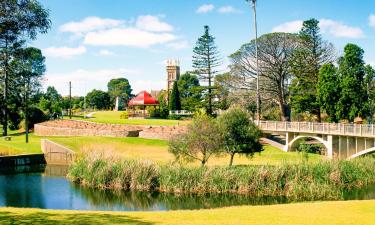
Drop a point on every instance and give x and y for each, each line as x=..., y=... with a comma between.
x=325, y=180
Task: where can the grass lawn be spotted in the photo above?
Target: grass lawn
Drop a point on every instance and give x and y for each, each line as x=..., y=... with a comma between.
x=138, y=148
x=341, y=212
x=113, y=117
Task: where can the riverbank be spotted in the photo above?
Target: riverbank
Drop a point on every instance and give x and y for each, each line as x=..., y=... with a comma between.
x=338, y=212
x=304, y=181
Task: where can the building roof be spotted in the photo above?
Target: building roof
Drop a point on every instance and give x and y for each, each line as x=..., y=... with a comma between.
x=143, y=98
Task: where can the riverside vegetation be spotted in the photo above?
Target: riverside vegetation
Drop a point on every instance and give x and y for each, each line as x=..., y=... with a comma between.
x=325, y=180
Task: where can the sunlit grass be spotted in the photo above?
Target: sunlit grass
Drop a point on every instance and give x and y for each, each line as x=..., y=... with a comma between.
x=337, y=212
x=139, y=148
x=113, y=117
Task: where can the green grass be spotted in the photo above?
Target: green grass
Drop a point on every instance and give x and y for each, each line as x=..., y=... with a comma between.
x=139, y=148
x=113, y=117
x=330, y=213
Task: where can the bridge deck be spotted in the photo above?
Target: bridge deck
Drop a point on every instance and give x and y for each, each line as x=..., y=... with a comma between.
x=357, y=130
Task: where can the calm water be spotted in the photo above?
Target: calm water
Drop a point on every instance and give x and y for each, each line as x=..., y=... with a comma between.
x=51, y=190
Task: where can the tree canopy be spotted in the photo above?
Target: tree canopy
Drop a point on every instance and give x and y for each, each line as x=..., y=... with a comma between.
x=240, y=134
x=205, y=59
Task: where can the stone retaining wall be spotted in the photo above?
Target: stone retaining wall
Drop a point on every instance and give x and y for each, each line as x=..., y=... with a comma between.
x=84, y=128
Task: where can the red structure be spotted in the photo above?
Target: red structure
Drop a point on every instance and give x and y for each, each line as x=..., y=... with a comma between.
x=142, y=100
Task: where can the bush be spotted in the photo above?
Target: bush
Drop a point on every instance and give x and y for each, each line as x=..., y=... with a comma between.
x=174, y=117
x=124, y=115
x=320, y=181
x=36, y=116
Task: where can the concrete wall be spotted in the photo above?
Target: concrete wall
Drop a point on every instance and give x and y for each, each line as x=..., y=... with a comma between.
x=22, y=160
x=55, y=153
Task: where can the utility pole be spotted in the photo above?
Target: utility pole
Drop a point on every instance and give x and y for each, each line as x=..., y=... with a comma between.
x=70, y=100
x=256, y=58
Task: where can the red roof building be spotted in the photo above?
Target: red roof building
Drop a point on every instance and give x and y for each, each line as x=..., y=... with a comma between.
x=143, y=99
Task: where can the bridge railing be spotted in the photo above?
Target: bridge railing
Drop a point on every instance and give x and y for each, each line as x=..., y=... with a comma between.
x=362, y=130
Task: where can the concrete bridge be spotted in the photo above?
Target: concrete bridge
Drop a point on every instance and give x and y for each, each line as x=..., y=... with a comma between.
x=342, y=141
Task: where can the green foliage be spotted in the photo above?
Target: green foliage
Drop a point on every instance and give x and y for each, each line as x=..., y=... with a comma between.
x=205, y=59
x=98, y=99
x=307, y=59
x=190, y=92
x=201, y=140
x=52, y=102
x=328, y=90
x=240, y=134
x=121, y=88
x=124, y=115
x=19, y=20
x=352, y=102
x=36, y=116
x=318, y=181
x=163, y=106
x=174, y=98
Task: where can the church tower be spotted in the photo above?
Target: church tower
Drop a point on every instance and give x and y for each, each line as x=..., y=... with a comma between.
x=173, y=73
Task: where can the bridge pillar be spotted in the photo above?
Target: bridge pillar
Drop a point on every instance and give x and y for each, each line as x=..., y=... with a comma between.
x=329, y=146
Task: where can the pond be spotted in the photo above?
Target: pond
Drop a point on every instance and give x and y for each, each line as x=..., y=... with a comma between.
x=47, y=188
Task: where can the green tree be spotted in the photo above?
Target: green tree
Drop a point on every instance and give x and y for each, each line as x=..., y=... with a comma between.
x=328, y=90
x=51, y=102
x=190, y=91
x=352, y=102
x=205, y=59
x=98, y=99
x=306, y=61
x=174, y=98
x=121, y=88
x=370, y=88
x=240, y=134
x=221, y=91
x=201, y=140
x=29, y=66
x=274, y=69
x=19, y=20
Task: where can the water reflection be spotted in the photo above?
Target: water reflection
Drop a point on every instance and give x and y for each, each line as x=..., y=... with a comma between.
x=49, y=189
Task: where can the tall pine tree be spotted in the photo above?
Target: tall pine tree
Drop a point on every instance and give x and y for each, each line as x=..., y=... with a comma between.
x=312, y=53
x=174, y=99
x=205, y=59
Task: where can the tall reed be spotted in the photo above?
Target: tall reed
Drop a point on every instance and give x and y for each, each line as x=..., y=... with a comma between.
x=318, y=181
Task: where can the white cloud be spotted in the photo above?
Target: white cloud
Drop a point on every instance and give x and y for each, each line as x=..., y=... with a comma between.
x=328, y=26
x=153, y=23
x=84, y=81
x=340, y=30
x=289, y=27
x=178, y=45
x=147, y=85
x=371, y=20
x=63, y=52
x=106, y=52
x=205, y=8
x=228, y=9
x=127, y=37
x=90, y=24
x=145, y=31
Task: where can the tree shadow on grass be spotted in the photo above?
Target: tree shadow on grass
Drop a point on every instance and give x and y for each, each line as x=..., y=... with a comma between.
x=67, y=218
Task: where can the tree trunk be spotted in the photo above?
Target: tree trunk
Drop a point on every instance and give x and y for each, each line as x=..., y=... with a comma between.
x=231, y=159
x=318, y=115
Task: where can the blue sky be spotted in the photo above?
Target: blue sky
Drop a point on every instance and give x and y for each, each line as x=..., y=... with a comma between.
x=92, y=41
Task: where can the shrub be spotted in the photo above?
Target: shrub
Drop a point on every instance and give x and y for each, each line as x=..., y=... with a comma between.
x=319, y=181
x=124, y=115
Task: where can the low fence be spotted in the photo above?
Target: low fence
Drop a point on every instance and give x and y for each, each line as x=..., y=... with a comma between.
x=55, y=153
